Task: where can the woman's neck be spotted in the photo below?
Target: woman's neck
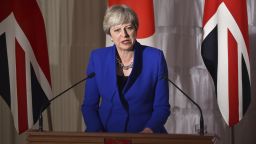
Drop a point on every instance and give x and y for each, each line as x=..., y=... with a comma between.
x=126, y=56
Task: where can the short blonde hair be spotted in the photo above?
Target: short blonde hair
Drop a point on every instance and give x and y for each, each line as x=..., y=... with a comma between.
x=119, y=14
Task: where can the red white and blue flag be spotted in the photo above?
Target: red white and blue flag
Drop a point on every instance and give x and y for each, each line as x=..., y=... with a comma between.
x=145, y=11
x=25, y=82
x=225, y=51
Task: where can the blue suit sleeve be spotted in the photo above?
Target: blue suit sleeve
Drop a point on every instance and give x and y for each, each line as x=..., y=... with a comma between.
x=161, y=106
x=90, y=104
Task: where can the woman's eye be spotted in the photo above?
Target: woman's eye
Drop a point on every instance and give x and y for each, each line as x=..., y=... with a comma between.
x=117, y=30
x=130, y=28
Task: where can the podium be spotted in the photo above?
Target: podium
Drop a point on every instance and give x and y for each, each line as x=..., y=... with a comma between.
x=114, y=138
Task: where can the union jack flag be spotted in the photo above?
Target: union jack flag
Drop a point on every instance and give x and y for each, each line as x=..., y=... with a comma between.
x=24, y=66
x=225, y=51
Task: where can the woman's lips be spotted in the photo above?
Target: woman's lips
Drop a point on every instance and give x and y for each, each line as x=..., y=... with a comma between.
x=126, y=41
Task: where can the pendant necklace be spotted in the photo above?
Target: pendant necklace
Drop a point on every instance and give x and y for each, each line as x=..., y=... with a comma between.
x=123, y=66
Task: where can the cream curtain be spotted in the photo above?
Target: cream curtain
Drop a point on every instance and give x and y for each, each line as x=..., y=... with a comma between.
x=74, y=28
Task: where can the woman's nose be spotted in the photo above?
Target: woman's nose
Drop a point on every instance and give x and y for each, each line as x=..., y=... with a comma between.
x=124, y=33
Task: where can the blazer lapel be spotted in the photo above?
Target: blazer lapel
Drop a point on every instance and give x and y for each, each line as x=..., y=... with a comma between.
x=137, y=65
x=110, y=76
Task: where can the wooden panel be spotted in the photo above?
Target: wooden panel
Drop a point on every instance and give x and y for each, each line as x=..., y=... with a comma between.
x=120, y=138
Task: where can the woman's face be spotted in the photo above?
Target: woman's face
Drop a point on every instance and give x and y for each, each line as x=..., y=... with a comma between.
x=124, y=36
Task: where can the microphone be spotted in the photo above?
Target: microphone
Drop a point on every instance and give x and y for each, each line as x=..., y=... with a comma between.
x=90, y=75
x=200, y=110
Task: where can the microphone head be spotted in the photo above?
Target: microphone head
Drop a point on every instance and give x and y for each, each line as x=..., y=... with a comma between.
x=91, y=75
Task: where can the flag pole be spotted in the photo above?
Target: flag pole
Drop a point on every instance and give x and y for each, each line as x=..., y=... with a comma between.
x=49, y=116
x=232, y=135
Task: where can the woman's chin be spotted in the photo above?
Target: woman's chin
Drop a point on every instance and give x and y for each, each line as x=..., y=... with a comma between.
x=126, y=47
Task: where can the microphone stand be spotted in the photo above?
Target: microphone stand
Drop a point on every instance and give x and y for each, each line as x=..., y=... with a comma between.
x=201, y=132
x=91, y=75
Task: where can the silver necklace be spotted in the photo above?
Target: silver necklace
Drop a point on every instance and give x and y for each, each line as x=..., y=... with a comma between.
x=122, y=65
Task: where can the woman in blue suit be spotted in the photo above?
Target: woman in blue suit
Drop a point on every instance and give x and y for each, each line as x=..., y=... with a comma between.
x=129, y=92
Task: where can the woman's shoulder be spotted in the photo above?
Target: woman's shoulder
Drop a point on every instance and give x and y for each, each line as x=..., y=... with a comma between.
x=102, y=51
x=149, y=49
x=152, y=51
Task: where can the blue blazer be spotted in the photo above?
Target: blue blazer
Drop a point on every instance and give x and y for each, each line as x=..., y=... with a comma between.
x=146, y=92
